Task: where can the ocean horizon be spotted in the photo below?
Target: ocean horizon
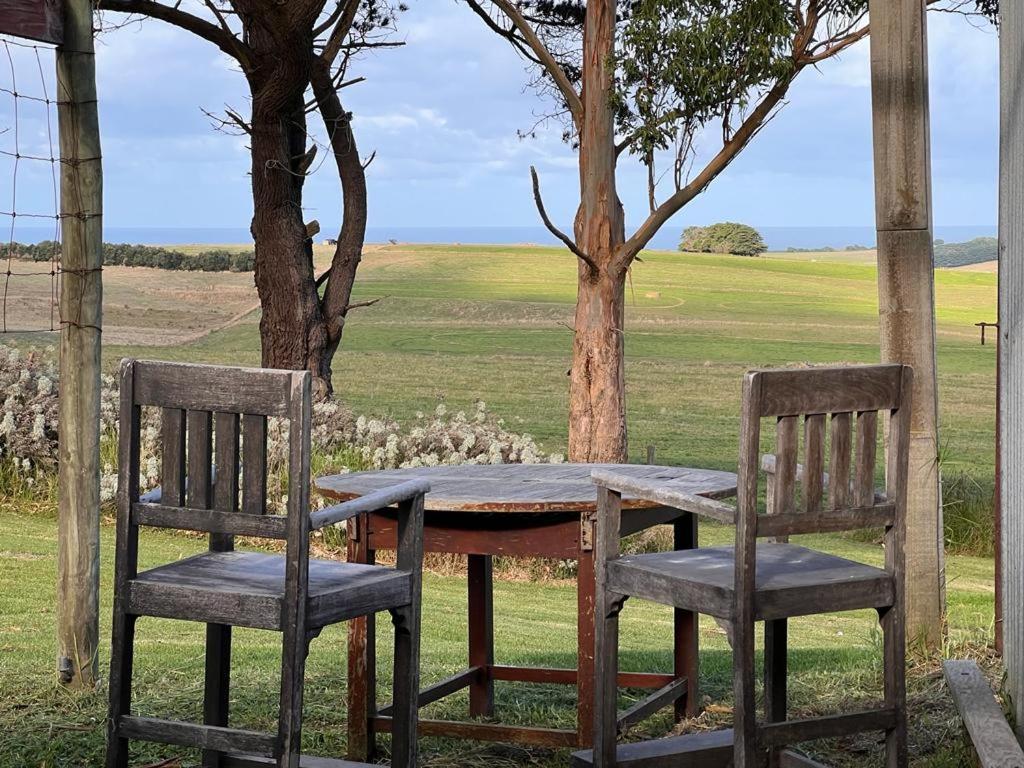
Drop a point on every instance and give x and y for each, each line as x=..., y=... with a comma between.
x=777, y=238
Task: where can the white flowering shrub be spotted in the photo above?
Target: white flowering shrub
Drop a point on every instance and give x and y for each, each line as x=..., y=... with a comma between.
x=341, y=440
x=28, y=425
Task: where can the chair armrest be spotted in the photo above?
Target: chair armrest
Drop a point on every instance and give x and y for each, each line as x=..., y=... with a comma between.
x=371, y=502
x=768, y=467
x=666, y=495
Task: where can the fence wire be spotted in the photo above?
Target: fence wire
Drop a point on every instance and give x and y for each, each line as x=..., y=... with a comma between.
x=31, y=212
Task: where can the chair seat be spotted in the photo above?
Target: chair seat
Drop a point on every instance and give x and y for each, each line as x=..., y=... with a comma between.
x=789, y=581
x=247, y=589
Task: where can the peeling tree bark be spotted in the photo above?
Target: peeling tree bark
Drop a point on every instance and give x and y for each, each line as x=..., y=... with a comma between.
x=597, y=398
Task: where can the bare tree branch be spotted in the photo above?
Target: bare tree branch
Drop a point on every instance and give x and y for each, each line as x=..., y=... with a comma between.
x=551, y=66
x=552, y=228
x=749, y=128
x=221, y=36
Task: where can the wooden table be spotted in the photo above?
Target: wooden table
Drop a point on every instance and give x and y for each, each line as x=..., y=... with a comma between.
x=521, y=510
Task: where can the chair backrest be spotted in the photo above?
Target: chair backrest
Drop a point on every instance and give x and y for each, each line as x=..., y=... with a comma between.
x=837, y=490
x=214, y=449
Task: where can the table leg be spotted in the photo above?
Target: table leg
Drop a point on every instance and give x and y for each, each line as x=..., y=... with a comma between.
x=585, y=588
x=362, y=660
x=481, y=635
x=687, y=637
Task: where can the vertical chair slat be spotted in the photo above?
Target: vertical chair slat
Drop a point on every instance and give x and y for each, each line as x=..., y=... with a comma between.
x=200, y=458
x=254, y=464
x=864, y=472
x=814, y=461
x=226, y=462
x=172, y=480
x=839, y=461
x=784, y=495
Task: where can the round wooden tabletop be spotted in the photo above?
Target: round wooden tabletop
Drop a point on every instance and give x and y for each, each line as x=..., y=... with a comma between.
x=525, y=487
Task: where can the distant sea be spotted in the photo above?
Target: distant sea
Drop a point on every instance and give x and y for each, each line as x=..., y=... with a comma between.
x=777, y=238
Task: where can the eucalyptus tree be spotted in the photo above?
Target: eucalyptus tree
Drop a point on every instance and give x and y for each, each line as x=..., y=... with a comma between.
x=296, y=58
x=645, y=79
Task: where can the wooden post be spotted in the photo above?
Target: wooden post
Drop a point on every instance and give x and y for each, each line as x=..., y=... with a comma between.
x=906, y=290
x=1011, y=347
x=81, y=317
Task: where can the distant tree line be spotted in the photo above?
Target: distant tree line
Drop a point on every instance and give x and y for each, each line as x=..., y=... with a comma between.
x=128, y=255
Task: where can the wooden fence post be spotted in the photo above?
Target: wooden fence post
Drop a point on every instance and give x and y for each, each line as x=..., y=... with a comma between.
x=1011, y=346
x=906, y=289
x=81, y=191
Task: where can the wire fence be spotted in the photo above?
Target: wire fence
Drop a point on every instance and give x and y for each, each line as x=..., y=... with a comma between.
x=30, y=212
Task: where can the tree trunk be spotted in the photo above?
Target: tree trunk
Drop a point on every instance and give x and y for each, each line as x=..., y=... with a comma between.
x=597, y=400
x=293, y=333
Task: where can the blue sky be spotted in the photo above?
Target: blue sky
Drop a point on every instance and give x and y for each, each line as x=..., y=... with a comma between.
x=442, y=114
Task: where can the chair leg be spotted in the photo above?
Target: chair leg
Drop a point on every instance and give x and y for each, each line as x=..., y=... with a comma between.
x=894, y=666
x=293, y=674
x=775, y=647
x=217, y=684
x=122, y=655
x=607, y=606
x=405, y=716
x=744, y=706
x=686, y=629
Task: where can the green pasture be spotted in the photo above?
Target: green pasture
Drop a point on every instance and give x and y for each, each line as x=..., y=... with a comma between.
x=493, y=323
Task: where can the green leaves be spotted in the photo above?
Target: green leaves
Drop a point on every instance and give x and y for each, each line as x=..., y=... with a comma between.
x=725, y=237
x=683, y=63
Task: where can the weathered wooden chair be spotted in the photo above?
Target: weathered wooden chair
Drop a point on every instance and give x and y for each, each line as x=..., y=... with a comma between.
x=208, y=409
x=773, y=581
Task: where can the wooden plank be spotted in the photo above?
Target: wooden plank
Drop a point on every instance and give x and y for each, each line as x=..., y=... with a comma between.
x=652, y=491
x=126, y=553
x=864, y=462
x=172, y=456
x=1011, y=348
x=483, y=731
x=199, y=736
x=906, y=282
x=529, y=489
x=824, y=727
x=839, y=462
x=199, y=488
x=372, y=502
x=993, y=739
x=788, y=392
x=647, y=706
x=786, y=447
x=438, y=691
x=226, y=471
x=254, y=464
x=833, y=521
x=480, y=621
x=210, y=521
x=81, y=317
x=40, y=20
x=703, y=749
x=213, y=388
x=813, y=476
x=406, y=619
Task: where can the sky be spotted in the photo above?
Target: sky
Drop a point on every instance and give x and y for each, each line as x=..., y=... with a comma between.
x=443, y=114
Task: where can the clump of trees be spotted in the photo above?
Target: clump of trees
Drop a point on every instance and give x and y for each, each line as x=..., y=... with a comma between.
x=724, y=237
x=975, y=251
x=128, y=255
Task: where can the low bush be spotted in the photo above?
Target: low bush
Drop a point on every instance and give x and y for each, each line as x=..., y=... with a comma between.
x=725, y=237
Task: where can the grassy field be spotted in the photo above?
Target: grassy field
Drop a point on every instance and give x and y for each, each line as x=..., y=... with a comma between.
x=492, y=322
